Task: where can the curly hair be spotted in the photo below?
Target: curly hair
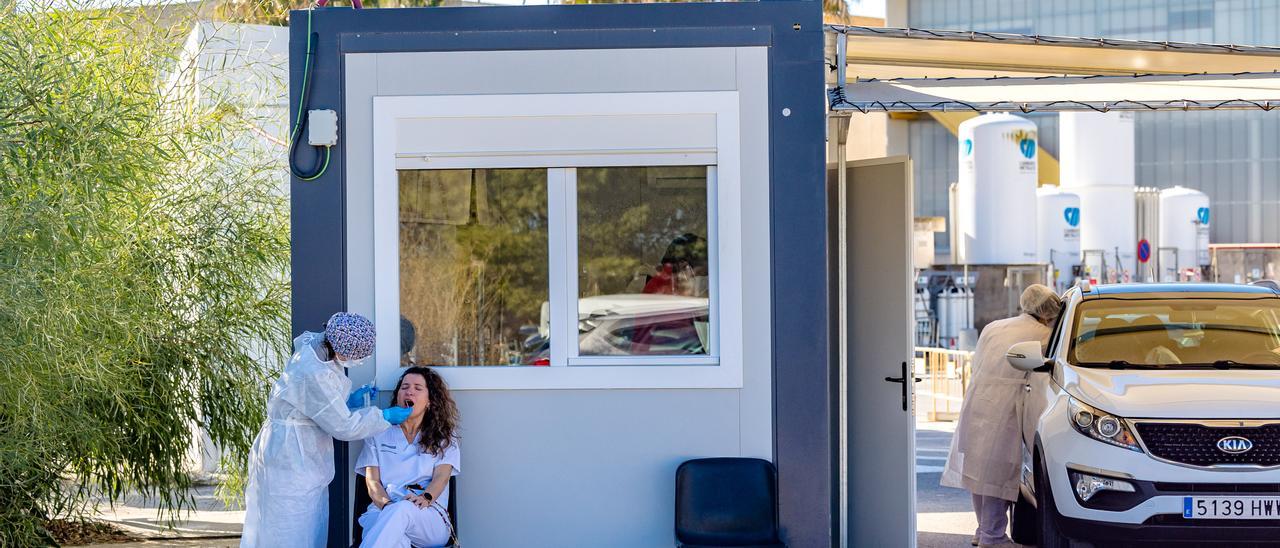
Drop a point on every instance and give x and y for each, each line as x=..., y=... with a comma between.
x=440, y=424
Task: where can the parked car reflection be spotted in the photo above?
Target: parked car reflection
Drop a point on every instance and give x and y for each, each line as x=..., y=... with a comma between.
x=632, y=325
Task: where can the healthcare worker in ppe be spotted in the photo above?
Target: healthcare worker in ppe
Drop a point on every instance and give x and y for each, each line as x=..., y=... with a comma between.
x=986, y=451
x=311, y=404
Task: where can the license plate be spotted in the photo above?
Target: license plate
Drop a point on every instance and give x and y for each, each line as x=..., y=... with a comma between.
x=1231, y=507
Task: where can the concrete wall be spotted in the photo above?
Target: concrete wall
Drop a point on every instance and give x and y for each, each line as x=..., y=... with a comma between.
x=583, y=467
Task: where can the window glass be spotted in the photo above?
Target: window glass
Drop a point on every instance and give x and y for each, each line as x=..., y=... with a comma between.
x=643, y=261
x=1177, y=333
x=473, y=266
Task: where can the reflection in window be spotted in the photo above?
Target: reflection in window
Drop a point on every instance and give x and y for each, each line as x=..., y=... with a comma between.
x=1176, y=333
x=643, y=261
x=473, y=264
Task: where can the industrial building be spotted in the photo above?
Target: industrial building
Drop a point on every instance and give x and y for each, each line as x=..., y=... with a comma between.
x=1229, y=156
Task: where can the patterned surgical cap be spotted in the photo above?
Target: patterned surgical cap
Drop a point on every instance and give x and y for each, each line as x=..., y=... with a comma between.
x=350, y=334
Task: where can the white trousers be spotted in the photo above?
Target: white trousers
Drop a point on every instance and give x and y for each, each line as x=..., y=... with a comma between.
x=402, y=525
x=993, y=519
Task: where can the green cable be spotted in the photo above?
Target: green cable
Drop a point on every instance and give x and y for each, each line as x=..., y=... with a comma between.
x=302, y=105
x=323, y=167
x=306, y=69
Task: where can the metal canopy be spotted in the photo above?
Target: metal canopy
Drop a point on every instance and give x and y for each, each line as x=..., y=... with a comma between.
x=912, y=70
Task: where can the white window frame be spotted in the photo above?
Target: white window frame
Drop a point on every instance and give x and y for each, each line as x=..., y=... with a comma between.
x=721, y=369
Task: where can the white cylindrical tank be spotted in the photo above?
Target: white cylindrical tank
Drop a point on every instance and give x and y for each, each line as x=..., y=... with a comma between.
x=946, y=327
x=1096, y=151
x=1184, y=230
x=968, y=308
x=1147, y=222
x=1058, y=214
x=996, y=192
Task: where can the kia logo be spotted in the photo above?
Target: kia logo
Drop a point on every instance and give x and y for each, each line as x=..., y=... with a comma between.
x=1234, y=445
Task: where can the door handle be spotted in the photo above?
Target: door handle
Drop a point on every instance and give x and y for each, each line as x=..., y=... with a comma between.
x=903, y=381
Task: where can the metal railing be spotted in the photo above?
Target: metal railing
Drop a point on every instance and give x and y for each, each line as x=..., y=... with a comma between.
x=946, y=375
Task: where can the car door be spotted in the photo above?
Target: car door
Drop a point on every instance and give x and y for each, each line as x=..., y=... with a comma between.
x=1039, y=387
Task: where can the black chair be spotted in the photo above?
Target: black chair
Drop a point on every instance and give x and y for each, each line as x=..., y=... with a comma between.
x=363, y=501
x=727, y=502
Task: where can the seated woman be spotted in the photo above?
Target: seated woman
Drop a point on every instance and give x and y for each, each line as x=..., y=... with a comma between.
x=407, y=469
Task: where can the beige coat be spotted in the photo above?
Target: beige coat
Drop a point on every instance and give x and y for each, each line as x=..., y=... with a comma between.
x=986, y=452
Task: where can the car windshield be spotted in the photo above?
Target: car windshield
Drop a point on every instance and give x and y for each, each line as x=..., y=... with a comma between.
x=1177, y=333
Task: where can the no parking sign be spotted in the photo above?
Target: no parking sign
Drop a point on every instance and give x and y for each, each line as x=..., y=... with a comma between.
x=1144, y=250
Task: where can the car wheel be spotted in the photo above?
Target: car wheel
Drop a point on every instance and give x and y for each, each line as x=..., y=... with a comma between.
x=1050, y=535
x=1023, y=526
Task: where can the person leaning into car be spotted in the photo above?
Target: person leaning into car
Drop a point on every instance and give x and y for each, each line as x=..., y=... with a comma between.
x=986, y=451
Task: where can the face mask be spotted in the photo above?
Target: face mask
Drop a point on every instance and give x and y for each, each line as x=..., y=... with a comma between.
x=352, y=363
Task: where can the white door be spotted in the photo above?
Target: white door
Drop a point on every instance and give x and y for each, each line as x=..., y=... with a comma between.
x=880, y=400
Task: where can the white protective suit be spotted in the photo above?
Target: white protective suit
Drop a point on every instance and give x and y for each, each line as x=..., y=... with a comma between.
x=291, y=464
x=986, y=451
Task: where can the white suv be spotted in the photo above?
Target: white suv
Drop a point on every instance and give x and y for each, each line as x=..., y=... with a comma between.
x=1154, y=417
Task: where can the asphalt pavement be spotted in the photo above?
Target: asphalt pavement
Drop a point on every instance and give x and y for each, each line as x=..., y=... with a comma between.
x=210, y=522
x=944, y=516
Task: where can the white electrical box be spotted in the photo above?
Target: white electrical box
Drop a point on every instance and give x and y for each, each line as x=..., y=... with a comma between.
x=322, y=128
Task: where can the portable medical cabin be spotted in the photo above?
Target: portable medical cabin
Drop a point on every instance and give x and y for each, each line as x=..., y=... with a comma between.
x=632, y=235
x=451, y=123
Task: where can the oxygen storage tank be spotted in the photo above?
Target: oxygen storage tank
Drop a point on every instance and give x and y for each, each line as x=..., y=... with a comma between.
x=1058, y=213
x=1096, y=151
x=1184, y=231
x=948, y=308
x=996, y=192
x=968, y=303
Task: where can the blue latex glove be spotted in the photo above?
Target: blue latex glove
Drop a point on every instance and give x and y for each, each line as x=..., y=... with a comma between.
x=396, y=415
x=356, y=399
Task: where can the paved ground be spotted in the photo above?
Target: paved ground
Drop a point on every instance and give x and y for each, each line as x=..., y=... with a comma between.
x=211, y=524
x=190, y=543
x=944, y=516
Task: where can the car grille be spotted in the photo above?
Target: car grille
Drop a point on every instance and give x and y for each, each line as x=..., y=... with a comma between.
x=1218, y=488
x=1197, y=444
x=1174, y=519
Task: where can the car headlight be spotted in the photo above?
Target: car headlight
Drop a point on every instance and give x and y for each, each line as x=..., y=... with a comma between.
x=1102, y=426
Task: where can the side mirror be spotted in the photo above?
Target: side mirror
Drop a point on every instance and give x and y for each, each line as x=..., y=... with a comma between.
x=1026, y=356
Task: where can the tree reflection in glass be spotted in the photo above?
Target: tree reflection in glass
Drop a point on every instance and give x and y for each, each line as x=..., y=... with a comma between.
x=643, y=261
x=473, y=264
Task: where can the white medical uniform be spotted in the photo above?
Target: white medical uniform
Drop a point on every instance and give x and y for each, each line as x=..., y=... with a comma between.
x=986, y=450
x=291, y=463
x=400, y=523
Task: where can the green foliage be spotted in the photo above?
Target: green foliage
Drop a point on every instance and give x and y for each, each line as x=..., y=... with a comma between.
x=276, y=12
x=143, y=254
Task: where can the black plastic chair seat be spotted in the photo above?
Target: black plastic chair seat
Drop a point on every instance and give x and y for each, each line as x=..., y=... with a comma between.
x=727, y=502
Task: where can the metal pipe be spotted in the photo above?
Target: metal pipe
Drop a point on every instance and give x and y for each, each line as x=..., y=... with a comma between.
x=1048, y=40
